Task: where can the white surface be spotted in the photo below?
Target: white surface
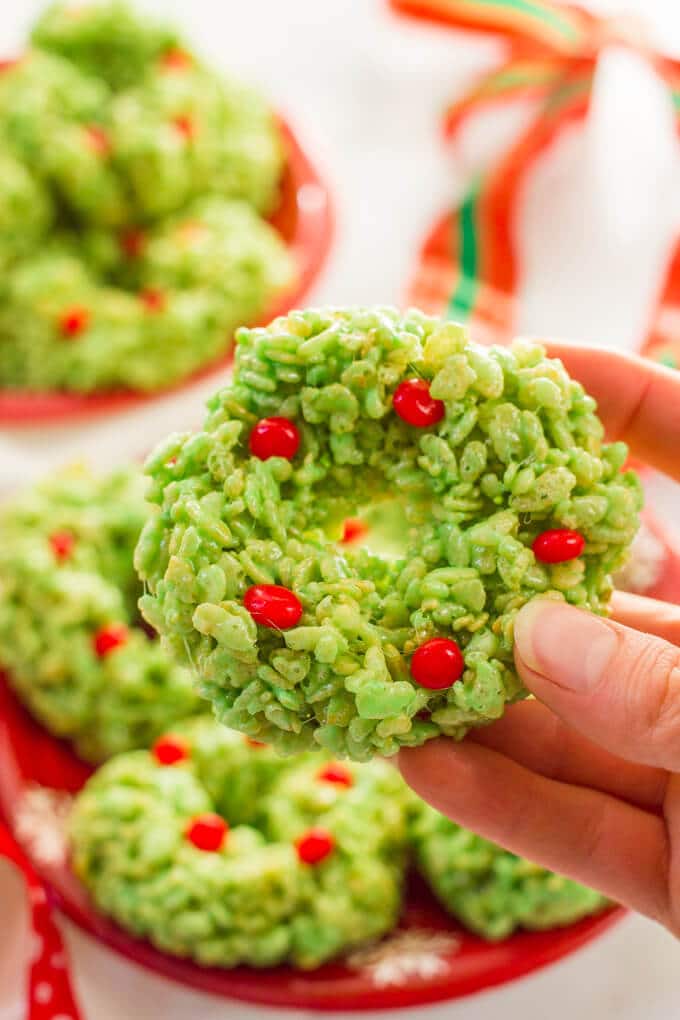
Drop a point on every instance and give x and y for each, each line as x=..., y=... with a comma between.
x=365, y=90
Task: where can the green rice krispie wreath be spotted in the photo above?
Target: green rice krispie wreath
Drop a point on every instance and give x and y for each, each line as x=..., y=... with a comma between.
x=70, y=633
x=488, y=889
x=311, y=865
x=213, y=847
x=127, y=165
x=485, y=476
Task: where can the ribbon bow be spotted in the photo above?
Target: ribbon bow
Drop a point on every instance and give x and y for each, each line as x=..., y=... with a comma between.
x=49, y=989
x=469, y=267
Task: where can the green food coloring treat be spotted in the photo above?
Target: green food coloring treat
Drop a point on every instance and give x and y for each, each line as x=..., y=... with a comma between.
x=115, y=136
x=179, y=320
x=69, y=629
x=308, y=860
x=25, y=210
x=460, y=458
x=181, y=135
x=107, y=40
x=257, y=895
x=490, y=890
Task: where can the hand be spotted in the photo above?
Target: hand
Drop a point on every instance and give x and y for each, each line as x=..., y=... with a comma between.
x=586, y=779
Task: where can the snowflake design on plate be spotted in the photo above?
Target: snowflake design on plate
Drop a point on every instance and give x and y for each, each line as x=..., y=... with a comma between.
x=645, y=565
x=405, y=955
x=40, y=823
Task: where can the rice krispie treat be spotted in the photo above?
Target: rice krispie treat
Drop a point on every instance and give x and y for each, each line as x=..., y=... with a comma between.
x=488, y=889
x=168, y=854
x=62, y=328
x=108, y=40
x=126, y=165
x=70, y=635
x=213, y=847
x=486, y=477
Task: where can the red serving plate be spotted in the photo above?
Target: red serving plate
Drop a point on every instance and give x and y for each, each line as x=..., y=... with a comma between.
x=305, y=221
x=429, y=958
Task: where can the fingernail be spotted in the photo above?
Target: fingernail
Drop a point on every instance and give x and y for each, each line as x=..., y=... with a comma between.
x=570, y=647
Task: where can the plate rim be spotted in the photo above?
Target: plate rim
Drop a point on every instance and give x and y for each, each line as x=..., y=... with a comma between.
x=333, y=987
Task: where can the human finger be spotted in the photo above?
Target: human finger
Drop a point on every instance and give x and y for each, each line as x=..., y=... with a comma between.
x=648, y=615
x=589, y=836
x=613, y=684
x=638, y=400
x=533, y=736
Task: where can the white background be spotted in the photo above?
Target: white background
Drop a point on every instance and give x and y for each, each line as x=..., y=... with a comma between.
x=365, y=91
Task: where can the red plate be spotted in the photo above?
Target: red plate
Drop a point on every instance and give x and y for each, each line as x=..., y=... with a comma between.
x=428, y=958
x=304, y=219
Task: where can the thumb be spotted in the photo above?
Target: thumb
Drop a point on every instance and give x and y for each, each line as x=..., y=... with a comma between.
x=615, y=685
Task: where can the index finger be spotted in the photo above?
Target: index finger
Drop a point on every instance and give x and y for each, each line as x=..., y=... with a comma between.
x=638, y=400
x=590, y=836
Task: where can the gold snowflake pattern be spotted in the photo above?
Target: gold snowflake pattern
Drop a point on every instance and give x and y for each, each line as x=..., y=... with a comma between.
x=645, y=565
x=405, y=955
x=40, y=823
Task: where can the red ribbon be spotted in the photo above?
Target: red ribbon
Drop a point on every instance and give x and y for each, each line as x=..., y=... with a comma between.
x=470, y=268
x=50, y=996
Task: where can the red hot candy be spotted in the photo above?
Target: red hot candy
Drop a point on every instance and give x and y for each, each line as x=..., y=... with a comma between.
x=208, y=832
x=168, y=750
x=558, y=545
x=272, y=605
x=413, y=403
x=274, y=437
x=74, y=321
x=353, y=530
x=336, y=773
x=314, y=846
x=132, y=242
x=153, y=299
x=176, y=59
x=97, y=139
x=110, y=637
x=437, y=664
x=185, y=124
x=62, y=543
